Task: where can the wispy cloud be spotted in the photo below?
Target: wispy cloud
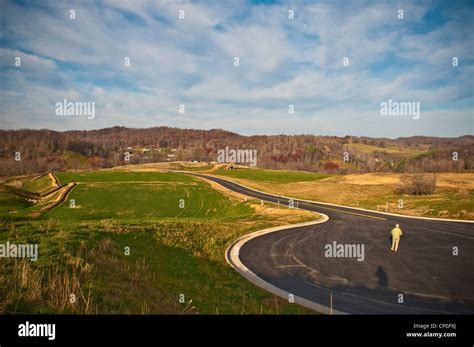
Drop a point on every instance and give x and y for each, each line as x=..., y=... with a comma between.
x=283, y=61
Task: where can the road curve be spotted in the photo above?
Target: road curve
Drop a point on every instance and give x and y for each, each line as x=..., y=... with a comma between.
x=423, y=277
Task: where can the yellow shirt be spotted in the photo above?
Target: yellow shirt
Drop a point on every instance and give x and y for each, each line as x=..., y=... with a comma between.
x=396, y=233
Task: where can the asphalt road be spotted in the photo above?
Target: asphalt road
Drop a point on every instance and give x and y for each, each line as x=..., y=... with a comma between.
x=424, y=270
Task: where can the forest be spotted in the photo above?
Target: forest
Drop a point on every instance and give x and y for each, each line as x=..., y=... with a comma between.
x=40, y=151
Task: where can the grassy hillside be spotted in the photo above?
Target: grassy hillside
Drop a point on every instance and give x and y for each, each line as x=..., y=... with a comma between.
x=16, y=204
x=41, y=185
x=271, y=176
x=127, y=247
x=364, y=148
x=12, y=200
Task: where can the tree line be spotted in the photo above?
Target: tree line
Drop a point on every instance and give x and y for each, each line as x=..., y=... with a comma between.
x=38, y=151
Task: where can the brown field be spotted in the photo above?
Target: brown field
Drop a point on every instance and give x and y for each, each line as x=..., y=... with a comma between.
x=453, y=198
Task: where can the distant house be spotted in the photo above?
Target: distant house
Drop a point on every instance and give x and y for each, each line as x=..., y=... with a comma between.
x=230, y=166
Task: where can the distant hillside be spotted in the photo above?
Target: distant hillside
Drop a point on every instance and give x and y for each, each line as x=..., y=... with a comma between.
x=46, y=150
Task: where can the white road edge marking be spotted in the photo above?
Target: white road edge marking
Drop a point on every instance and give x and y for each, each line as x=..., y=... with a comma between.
x=232, y=257
x=234, y=260
x=329, y=204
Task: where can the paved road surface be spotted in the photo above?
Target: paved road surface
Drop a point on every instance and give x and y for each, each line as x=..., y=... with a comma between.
x=424, y=270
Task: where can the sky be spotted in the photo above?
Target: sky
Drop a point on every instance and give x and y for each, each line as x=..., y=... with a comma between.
x=142, y=64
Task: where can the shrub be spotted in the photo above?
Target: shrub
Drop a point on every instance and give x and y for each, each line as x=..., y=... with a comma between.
x=418, y=184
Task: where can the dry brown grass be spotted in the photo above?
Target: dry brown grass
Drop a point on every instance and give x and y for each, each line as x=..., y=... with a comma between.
x=60, y=287
x=373, y=191
x=448, y=180
x=456, y=180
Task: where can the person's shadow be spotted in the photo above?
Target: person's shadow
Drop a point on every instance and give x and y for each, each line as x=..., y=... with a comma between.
x=382, y=278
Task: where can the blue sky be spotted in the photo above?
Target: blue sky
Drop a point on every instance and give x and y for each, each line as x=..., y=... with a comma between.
x=283, y=61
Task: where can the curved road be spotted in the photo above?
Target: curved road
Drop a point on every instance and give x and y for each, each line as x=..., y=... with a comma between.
x=424, y=270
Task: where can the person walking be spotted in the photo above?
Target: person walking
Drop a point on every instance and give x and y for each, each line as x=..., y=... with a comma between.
x=396, y=233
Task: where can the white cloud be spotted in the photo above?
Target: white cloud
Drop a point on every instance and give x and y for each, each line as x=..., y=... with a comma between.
x=190, y=61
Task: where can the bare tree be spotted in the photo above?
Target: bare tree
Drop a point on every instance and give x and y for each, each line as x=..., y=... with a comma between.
x=418, y=184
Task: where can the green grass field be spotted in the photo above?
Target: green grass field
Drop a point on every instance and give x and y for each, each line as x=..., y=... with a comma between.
x=271, y=176
x=143, y=195
x=106, y=176
x=175, y=262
